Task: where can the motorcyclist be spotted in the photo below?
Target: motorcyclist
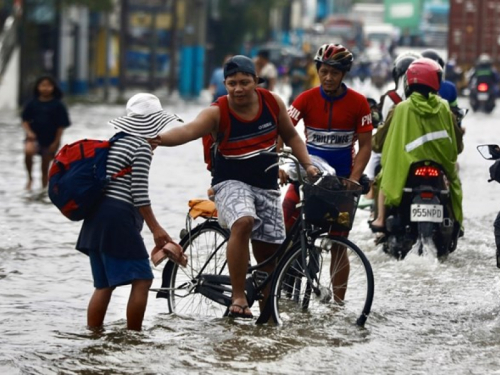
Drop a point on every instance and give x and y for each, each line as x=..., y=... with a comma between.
x=447, y=90
x=401, y=64
x=432, y=135
x=387, y=101
x=453, y=72
x=484, y=72
x=494, y=152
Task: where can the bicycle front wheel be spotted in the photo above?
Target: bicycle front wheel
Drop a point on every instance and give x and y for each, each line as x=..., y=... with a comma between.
x=331, y=278
x=205, y=246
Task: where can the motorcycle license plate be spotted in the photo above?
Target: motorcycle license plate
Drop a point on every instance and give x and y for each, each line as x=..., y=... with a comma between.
x=426, y=212
x=482, y=96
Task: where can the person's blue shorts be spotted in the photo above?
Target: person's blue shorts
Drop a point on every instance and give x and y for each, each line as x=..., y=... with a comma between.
x=108, y=271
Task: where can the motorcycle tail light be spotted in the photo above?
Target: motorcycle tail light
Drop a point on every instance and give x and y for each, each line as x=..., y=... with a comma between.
x=427, y=195
x=427, y=172
x=483, y=87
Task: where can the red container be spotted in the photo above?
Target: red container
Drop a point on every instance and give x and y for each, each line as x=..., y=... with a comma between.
x=474, y=28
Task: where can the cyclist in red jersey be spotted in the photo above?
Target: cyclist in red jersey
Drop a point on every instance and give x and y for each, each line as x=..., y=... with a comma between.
x=335, y=118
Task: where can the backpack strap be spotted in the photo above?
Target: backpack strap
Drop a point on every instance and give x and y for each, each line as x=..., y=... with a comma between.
x=223, y=122
x=117, y=136
x=271, y=101
x=127, y=169
x=394, y=96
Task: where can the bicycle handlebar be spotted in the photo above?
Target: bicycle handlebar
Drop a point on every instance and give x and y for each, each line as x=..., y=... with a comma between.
x=286, y=154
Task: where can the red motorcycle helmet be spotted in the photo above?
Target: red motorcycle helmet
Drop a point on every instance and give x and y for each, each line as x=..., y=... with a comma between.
x=423, y=72
x=335, y=55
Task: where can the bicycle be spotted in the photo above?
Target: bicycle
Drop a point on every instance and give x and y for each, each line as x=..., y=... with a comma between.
x=308, y=260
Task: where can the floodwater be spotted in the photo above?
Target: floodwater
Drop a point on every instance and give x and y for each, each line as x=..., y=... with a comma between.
x=427, y=317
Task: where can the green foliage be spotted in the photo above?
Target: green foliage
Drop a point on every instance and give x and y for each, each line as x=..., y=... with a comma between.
x=93, y=5
x=240, y=21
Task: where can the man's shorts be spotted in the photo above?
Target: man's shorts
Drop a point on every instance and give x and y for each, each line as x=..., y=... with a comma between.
x=109, y=271
x=236, y=199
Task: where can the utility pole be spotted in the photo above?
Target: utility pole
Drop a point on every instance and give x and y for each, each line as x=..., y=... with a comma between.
x=153, y=50
x=124, y=16
x=193, y=50
x=173, y=47
x=201, y=31
x=106, y=59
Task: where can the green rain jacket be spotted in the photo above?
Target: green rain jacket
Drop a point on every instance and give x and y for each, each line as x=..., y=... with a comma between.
x=420, y=129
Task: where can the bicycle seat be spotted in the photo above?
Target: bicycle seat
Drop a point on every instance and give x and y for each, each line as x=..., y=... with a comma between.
x=202, y=207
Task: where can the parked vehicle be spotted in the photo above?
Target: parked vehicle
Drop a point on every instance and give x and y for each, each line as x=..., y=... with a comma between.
x=380, y=35
x=434, y=24
x=422, y=22
x=344, y=30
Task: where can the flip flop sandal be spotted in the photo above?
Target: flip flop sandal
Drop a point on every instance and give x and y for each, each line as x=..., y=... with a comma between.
x=234, y=314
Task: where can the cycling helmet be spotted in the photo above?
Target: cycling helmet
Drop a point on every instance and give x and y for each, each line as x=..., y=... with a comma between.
x=335, y=55
x=423, y=72
x=433, y=55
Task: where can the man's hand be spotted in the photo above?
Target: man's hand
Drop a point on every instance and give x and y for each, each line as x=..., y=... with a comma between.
x=155, y=142
x=313, y=173
x=161, y=237
x=30, y=136
x=366, y=183
x=53, y=147
x=283, y=176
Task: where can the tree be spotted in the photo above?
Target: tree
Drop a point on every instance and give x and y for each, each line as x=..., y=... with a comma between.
x=240, y=21
x=93, y=5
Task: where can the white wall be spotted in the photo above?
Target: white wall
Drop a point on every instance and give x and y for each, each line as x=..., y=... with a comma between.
x=9, y=83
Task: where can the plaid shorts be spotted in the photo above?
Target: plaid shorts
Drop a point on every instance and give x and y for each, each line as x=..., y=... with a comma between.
x=236, y=199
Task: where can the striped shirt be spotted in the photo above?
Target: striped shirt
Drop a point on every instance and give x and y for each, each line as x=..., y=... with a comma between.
x=133, y=187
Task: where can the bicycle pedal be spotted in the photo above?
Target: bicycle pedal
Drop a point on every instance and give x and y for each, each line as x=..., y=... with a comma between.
x=259, y=277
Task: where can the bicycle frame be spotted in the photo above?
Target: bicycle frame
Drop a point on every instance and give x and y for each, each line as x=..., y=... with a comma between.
x=217, y=287
x=214, y=286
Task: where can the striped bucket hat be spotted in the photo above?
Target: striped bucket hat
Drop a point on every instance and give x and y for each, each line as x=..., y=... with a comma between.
x=145, y=117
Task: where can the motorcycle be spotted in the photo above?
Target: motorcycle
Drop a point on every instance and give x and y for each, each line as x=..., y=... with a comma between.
x=482, y=96
x=424, y=215
x=492, y=152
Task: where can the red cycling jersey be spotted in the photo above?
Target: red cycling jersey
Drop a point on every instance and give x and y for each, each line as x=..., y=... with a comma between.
x=332, y=124
x=331, y=128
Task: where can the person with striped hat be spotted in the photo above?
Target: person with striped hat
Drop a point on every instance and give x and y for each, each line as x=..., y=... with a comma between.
x=111, y=236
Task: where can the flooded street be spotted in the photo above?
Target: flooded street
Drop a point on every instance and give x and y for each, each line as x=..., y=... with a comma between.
x=427, y=317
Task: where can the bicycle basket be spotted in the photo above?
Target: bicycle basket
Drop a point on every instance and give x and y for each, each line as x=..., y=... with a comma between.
x=332, y=203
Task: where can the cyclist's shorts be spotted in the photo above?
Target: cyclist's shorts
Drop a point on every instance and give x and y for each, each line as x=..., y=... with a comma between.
x=236, y=199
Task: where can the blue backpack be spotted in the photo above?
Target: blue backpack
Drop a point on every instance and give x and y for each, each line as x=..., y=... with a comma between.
x=77, y=177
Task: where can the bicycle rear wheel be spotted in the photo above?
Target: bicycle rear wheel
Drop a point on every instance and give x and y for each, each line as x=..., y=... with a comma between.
x=205, y=247
x=340, y=282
